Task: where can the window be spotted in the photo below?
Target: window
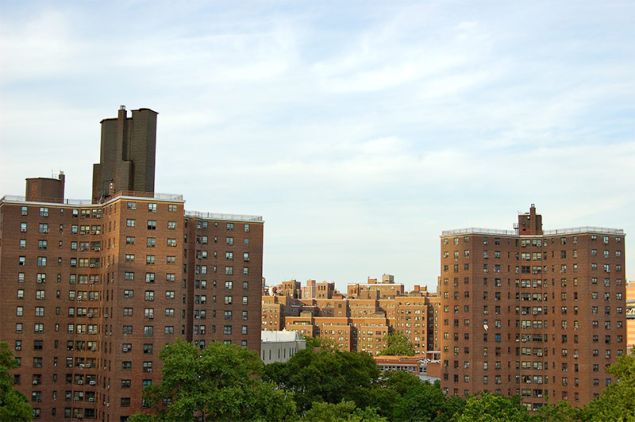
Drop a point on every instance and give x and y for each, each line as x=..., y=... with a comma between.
x=39, y=311
x=126, y=329
x=126, y=383
x=228, y=300
x=169, y=312
x=170, y=259
x=246, y=228
x=23, y=227
x=128, y=293
x=22, y=260
x=229, y=255
x=148, y=330
x=147, y=349
x=41, y=261
x=152, y=224
x=22, y=244
x=149, y=295
x=169, y=294
x=227, y=315
x=245, y=299
x=243, y=329
x=127, y=311
x=229, y=285
x=150, y=277
x=245, y=256
x=151, y=242
x=229, y=240
x=130, y=240
x=19, y=311
x=147, y=366
x=42, y=244
x=129, y=257
x=128, y=275
x=38, y=327
x=24, y=211
x=20, y=293
x=150, y=259
x=130, y=222
x=152, y=207
x=229, y=270
x=168, y=329
x=227, y=330
x=44, y=228
x=171, y=208
x=170, y=277
x=131, y=205
x=171, y=225
x=171, y=243
x=126, y=364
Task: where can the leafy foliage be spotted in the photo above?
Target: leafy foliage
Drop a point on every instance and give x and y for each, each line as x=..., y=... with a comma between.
x=617, y=402
x=323, y=384
x=397, y=344
x=13, y=405
x=345, y=411
x=326, y=376
x=223, y=382
x=488, y=407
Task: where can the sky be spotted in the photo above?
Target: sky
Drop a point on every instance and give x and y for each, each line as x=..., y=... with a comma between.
x=359, y=130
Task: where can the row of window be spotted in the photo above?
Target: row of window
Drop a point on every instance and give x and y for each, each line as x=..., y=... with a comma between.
x=204, y=240
x=532, y=242
x=152, y=207
x=203, y=224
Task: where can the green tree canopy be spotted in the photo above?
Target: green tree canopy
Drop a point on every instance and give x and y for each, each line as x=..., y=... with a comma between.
x=397, y=344
x=487, y=407
x=617, y=402
x=345, y=411
x=13, y=405
x=222, y=382
x=327, y=376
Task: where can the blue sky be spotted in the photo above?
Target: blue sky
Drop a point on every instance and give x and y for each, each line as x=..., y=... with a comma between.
x=359, y=130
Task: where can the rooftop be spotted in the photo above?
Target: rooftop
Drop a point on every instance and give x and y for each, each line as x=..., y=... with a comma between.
x=557, y=232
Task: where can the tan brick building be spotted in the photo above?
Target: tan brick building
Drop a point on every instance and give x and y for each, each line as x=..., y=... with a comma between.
x=358, y=322
x=92, y=290
x=529, y=312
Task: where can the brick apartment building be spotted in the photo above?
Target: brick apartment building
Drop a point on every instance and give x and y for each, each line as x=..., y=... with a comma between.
x=630, y=315
x=358, y=321
x=90, y=291
x=540, y=314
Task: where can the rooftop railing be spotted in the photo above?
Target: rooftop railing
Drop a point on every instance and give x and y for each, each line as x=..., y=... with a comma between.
x=557, y=232
x=224, y=217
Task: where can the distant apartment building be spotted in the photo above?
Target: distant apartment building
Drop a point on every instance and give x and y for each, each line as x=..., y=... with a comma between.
x=531, y=312
x=92, y=290
x=359, y=321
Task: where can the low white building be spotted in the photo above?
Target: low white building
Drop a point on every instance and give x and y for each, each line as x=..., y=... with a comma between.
x=280, y=346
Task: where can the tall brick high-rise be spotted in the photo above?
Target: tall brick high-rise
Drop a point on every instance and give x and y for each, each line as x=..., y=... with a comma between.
x=529, y=312
x=90, y=291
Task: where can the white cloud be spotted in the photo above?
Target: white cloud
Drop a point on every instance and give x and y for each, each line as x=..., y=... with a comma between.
x=358, y=134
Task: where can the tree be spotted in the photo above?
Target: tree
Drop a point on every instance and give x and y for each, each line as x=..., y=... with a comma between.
x=222, y=382
x=560, y=412
x=617, y=402
x=487, y=407
x=345, y=411
x=397, y=344
x=328, y=376
x=13, y=405
x=422, y=402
